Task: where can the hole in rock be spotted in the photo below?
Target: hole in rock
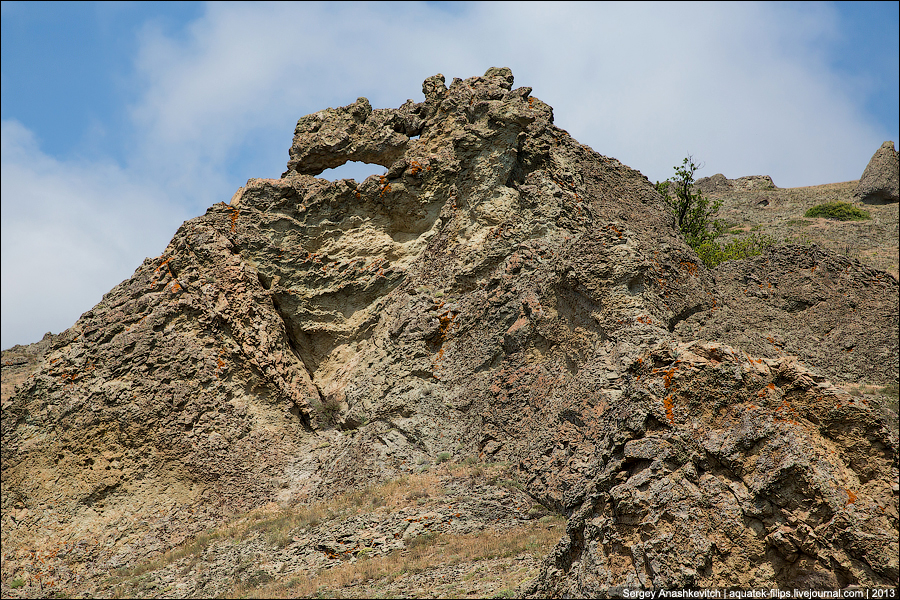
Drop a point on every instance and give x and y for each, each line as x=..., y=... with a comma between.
x=352, y=170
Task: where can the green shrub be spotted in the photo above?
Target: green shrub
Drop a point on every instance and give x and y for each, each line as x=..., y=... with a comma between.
x=330, y=409
x=713, y=253
x=696, y=220
x=16, y=583
x=840, y=211
x=443, y=457
x=694, y=214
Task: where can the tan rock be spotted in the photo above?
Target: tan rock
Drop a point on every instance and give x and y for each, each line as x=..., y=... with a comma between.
x=502, y=291
x=880, y=182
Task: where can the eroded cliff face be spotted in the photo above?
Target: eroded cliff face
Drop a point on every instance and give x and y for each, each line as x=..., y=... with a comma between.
x=719, y=469
x=503, y=292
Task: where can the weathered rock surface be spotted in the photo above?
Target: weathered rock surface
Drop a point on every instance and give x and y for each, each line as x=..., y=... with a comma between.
x=826, y=309
x=718, y=183
x=880, y=182
x=502, y=292
x=718, y=469
x=20, y=361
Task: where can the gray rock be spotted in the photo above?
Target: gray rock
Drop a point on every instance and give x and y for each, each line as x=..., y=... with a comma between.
x=718, y=183
x=880, y=182
x=753, y=182
x=502, y=288
x=714, y=183
x=830, y=310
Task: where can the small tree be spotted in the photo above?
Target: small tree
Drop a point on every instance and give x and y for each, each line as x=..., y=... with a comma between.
x=695, y=216
x=697, y=221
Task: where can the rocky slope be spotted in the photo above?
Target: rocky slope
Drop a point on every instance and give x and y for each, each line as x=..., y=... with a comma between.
x=779, y=212
x=19, y=362
x=502, y=293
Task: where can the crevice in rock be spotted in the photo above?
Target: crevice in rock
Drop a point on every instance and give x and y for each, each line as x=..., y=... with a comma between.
x=685, y=314
x=519, y=170
x=302, y=357
x=303, y=418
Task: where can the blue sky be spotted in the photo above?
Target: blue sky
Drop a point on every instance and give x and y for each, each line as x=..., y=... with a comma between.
x=120, y=120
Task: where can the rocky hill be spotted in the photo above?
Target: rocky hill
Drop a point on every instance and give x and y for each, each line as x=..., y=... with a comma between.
x=501, y=338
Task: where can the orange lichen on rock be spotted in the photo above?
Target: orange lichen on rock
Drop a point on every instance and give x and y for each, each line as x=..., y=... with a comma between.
x=690, y=267
x=667, y=378
x=445, y=320
x=785, y=413
x=670, y=409
x=163, y=264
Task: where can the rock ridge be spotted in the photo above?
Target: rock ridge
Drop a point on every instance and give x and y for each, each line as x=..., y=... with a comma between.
x=719, y=183
x=501, y=293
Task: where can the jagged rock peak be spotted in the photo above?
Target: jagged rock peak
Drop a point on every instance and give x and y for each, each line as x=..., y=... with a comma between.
x=331, y=137
x=305, y=307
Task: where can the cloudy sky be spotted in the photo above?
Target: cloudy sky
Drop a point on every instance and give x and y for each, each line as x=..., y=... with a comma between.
x=120, y=120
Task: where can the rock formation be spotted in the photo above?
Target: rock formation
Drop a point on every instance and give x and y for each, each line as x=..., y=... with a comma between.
x=880, y=182
x=19, y=361
x=806, y=302
x=718, y=183
x=501, y=292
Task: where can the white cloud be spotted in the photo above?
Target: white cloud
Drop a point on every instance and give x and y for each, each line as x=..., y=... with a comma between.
x=735, y=84
x=70, y=232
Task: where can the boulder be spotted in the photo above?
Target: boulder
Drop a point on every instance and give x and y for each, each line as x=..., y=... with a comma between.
x=880, y=182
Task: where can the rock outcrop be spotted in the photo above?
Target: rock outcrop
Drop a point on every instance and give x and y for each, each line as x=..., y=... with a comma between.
x=716, y=469
x=719, y=183
x=502, y=292
x=20, y=361
x=804, y=301
x=880, y=182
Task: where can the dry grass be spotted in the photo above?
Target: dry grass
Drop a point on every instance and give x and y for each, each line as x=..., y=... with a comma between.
x=275, y=525
x=278, y=525
x=536, y=538
x=890, y=391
